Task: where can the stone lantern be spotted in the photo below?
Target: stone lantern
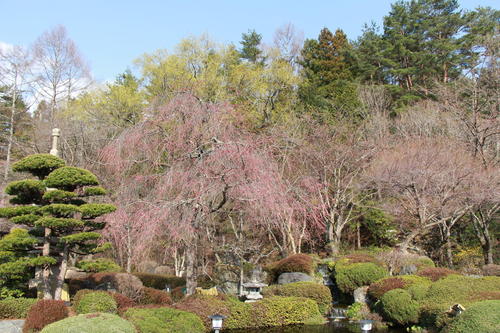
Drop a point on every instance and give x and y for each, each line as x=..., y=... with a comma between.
x=252, y=291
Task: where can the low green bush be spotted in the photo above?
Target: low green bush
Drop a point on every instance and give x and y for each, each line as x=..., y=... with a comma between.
x=15, y=308
x=399, y=308
x=349, y=276
x=480, y=317
x=99, y=301
x=380, y=287
x=204, y=306
x=91, y=323
x=98, y=265
x=164, y=320
x=158, y=281
x=281, y=311
x=354, y=311
x=320, y=293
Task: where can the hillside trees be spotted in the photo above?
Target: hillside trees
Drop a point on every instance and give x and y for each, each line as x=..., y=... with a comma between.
x=62, y=223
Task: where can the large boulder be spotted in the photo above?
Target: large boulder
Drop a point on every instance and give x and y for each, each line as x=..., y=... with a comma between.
x=361, y=295
x=285, y=278
x=75, y=273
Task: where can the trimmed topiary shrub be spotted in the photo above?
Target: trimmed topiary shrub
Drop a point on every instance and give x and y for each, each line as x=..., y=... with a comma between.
x=122, y=302
x=124, y=283
x=480, y=317
x=98, y=301
x=39, y=165
x=42, y=313
x=155, y=296
x=79, y=294
x=399, y=308
x=98, y=265
x=321, y=294
x=380, y=287
x=204, y=306
x=348, y=277
x=15, y=308
x=158, y=281
x=281, y=311
x=91, y=323
x=164, y=320
x=294, y=263
x=68, y=178
x=436, y=273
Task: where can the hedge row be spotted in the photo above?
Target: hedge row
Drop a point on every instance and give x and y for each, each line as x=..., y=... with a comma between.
x=321, y=294
x=15, y=308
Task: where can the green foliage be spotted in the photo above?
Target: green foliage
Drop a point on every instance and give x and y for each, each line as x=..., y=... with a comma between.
x=98, y=301
x=58, y=223
x=20, y=210
x=80, y=237
x=29, y=219
x=380, y=287
x=98, y=265
x=164, y=320
x=95, y=210
x=91, y=323
x=436, y=273
x=250, y=43
x=15, y=308
x=39, y=165
x=155, y=296
x=69, y=178
x=26, y=191
x=94, y=191
x=399, y=307
x=159, y=281
x=348, y=277
x=42, y=313
x=480, y=317
x=60, y=210
x=320, y=293
x=354, y=311
x=280, y=311
x=58, y=196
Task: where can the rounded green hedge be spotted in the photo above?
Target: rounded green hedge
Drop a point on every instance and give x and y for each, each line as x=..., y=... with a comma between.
x=418, y=285
x=164, y=320
x=281, y=311
x=39, y=165
x=348, y=277
x=399, y=307
x=480, y=317
x=15, y=308
x=91, y=323
x=99, y=301
x=320, y=293
x=69, y=178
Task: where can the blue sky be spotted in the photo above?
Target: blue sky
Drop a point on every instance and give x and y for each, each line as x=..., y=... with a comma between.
x=111, y=33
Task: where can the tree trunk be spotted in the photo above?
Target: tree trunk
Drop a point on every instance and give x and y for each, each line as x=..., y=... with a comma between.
x=358, y=236
x=240, y=286
x=129, y=249
x=334, y=242
x=403, y=246
x=449, y=252
x=46, y=288
x=11, y=135
x=62, y=273
x=190, y=270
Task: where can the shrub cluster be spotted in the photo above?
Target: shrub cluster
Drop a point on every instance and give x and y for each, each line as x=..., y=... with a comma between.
x=399, y=307
x=42, y=313
x=436, y=273
x=321, y=294
x=158, y=281
x=177, y=294
x=280, y=311
x=407, y=282
x=91, y=323
x=15, y=308
x=124, y=283
x=294, y=263
x=164, y=320
x=122, y=302
x=98, y=301
x=155, y=296
x=481, y=317
x=349, y=276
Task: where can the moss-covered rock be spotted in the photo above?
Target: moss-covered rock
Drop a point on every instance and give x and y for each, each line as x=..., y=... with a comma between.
x=164, y=320
x=480, y=317
x=39, y=165
x=91, y=323
x=69, y=178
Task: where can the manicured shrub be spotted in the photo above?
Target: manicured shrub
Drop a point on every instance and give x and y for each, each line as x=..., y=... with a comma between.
x=124, y=283
x=164, y=320
x=122, y=302
x=155, y=296
x=40, y=165
x=480, y=317
x=321, y=294
x=177, y=294
x=15, y=308
x=454, y=289
x=280, y=311
x=348, y=277
x=98, y=265
x=98, y=301
x=204, y=306
x=42, y=313
x=380, y=287
x=436, y=273
x=294, y=263
x=91, y=323
x=399, y=308
x=159, y=281
x=68, y=178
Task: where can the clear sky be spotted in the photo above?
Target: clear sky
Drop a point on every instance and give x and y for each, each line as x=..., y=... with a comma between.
x=112, y=33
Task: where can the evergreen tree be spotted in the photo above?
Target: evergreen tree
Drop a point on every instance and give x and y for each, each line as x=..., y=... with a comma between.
x=250, y=46
x=62, y=223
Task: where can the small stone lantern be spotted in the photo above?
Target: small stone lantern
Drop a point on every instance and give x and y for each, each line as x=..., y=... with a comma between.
x=252, y=291
x=217, y=320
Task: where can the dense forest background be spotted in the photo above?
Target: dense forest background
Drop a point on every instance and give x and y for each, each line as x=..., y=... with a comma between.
x=222, y=156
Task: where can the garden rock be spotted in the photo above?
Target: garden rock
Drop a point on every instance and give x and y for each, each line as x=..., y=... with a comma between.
x=408, y=270
x=285, y=278
x=11, y=326
x=361, y=295
x=73, y=273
